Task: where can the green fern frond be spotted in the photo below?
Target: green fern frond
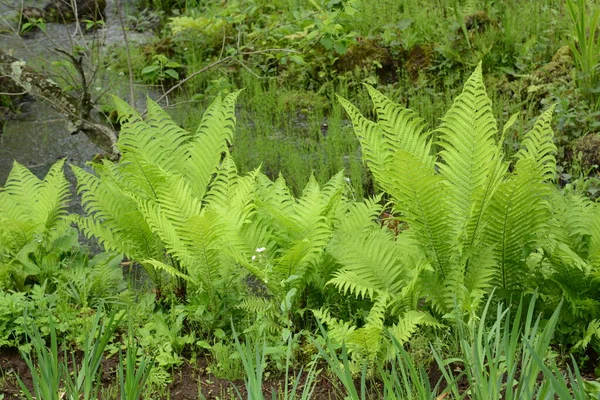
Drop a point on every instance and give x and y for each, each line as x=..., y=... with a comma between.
x=409, y=322
x=373, y=263
x=538, y=146
x=403, y=128
x=160, y=266
x=375, y=152
x=423, y=198
x=31, y=206
x=203, y=152
x=515, y=216
x=258, y=305
x=337, y=331
x=592, y=331
x=468, y=147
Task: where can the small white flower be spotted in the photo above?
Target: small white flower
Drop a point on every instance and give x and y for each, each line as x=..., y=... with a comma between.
x=347, y=179
x=253, y=258
x=261, y=249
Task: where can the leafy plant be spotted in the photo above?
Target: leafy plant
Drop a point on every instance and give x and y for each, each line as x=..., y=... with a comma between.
x=52, y=378
x=161, y=69
x=35, y=233
x=163, y=206
x=133, y=375
x=474, y=216
x=584, y=42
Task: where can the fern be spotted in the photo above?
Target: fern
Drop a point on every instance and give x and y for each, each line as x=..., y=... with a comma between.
x=472, y=219
x=166, y=204
x=33, y=223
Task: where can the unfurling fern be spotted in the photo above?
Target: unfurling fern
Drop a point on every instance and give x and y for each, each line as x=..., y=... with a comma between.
x=473, y=218
x=34, y=228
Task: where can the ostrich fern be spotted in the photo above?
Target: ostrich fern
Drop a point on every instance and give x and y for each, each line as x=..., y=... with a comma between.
x=172, y=203
x=474, y=218
x=34, y=227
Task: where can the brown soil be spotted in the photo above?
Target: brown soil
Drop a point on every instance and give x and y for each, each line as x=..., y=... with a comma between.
x=186, y=380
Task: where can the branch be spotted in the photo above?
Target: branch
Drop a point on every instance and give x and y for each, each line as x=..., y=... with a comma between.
x=43, y=88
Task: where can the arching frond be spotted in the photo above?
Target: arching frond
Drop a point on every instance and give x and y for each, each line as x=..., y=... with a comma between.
x=538, y=146
x=403, y=128
x=467, y=136
x=516, y=214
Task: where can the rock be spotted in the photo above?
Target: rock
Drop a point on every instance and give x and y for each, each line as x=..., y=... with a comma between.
x=32, y=13
x=589, y=147
x=419, y=58
x=478, y=22
x=367, y=55
x=64, y=11
x=557, y=72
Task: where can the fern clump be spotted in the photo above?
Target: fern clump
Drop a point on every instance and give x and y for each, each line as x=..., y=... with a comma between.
x=475, y=214
x=174, y=202
x=35, y=231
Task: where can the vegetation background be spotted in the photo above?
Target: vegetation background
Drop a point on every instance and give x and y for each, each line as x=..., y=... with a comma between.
x=399, y=203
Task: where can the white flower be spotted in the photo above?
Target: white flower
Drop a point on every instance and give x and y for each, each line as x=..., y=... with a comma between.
x=261, y=249
x=347, y=179
x=253, y=258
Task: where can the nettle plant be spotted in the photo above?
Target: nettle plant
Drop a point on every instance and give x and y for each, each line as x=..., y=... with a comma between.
x=474, y=219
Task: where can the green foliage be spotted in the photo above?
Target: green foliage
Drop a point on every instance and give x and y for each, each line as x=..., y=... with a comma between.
x=163, y=206
x=52, y=377
x=584, y=42
x=35, y=233
x=472, y=217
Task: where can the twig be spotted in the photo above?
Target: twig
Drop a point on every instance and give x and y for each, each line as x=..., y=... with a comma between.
x=12, y=94
x=129, y=64
x=214, y=64
x=219, y=62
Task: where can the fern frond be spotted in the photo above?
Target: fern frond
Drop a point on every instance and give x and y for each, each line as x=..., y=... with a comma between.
x=409, y=322
x=373, y=263
x=203, y=152
x=375, y=153
x=538, y=146
x=423, y=198
x=403, y=128
x=337, y=331
x=515, y=216
x=160, y=266
x=468, y=147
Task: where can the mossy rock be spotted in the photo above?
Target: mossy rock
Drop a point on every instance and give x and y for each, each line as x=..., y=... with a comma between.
x=368, y=56
x=478, y=22
x=558, y=72
x=419, y=58
x=589, y=147
x=11, y=101
x=62, y=11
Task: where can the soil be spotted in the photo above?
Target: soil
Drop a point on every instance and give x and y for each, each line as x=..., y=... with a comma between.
x=186, y=380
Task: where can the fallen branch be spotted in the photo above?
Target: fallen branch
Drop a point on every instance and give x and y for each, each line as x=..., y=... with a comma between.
x=69, y=106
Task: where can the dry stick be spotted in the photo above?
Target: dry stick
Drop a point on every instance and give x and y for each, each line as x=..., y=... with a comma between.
x=129, y=66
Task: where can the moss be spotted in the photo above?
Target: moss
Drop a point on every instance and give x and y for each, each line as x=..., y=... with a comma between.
x=367, y=56
x=589, y=148
x=419, y=58
x=558, y=72
x=478, y=22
